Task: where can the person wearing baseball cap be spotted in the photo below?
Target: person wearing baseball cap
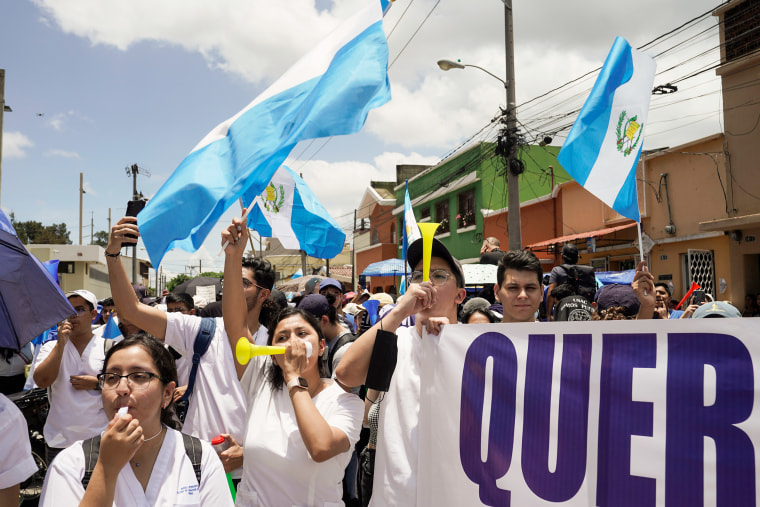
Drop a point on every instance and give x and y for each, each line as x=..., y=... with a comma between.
x=433, y=304
x=68, y=367
x=333, y=291
x=717, y=310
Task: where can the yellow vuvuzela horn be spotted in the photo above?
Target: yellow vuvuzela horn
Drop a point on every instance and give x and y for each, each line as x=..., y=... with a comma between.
x=427, y=229
x=245, y=350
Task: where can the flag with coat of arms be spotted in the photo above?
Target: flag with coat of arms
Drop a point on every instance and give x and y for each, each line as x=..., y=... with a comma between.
x=288, y=210
x=328, y=92
x=603, y=147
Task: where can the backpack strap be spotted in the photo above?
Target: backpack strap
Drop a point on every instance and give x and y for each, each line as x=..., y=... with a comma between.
x=342, y=340
x=91, y=448
x=202, y=342
x=194, y=451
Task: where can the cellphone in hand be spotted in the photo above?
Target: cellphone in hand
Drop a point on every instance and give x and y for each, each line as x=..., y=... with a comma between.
x=133, y=208
x=697, y=297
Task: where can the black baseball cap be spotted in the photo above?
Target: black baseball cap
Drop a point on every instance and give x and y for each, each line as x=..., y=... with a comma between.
x=414, y=256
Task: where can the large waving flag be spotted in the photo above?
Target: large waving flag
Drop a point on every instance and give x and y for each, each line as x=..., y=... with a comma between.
x=604, y=145
x=288, y=210
x=411, y=231
x=328, y=92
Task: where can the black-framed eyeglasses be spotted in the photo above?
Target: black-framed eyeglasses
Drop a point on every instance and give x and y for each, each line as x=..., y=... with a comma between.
x=247, y=284
x=135, y=380
x=437, y=277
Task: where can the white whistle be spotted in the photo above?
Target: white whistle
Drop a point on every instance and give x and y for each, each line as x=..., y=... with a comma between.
x=309, y=349
x=123, y=412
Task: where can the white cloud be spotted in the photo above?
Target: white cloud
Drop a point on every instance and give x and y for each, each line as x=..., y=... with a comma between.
x=15, y=144
x=62, y=153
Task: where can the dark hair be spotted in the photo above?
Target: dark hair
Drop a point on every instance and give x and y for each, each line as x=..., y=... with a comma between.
x=488, y=313
x=164, y=363
x=269, y=310
x=664, y=286
x=562, y=291
x=332, y=312
x=107, y=302
x=520, y=260
x=263, y=272
x=274, y=372
x=181, y=297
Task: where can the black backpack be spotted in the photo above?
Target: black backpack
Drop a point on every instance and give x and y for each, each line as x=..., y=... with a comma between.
x=583, y=280
x=91, y=448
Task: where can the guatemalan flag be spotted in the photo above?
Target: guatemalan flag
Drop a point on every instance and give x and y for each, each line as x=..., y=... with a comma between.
x=328, y=92
x=288, y=210
x=604, y=145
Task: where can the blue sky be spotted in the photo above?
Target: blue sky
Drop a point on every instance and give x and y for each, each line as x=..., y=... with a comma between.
x=97, y=85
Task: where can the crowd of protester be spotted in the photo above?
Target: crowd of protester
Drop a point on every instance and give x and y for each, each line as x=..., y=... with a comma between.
x=132, y=419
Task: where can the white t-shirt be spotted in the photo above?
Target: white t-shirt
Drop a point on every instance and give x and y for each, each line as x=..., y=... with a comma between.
x=74, y=415
x=172, y=481
x=217, y=404
x=395, y=479
x=277, y=468
x=17, y=463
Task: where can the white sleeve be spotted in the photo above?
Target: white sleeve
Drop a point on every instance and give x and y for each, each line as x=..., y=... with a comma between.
x=181, y=331
x=347, y=415
x=63, y=482
x=214, y=489
x=17, y=463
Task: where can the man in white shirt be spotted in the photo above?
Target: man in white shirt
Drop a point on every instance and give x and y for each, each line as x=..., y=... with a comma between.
x=518, y=285
x=433, y=303
x=68, y=367
x=217, y=405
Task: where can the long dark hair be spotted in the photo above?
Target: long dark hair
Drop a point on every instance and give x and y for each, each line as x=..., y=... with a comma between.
x=162, y=360
x=274, y=372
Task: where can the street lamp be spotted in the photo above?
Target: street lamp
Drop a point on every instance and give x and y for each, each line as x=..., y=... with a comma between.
x=513, y=185
x=451, y=64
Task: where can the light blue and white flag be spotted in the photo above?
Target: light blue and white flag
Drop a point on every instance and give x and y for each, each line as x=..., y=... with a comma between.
x=328, y=92
x=411, y=231
x=604, y=145
x=288, y=210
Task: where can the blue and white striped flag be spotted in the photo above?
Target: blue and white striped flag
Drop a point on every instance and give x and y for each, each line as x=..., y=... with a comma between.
x=604, y=145
x=328, y=92
x=288, y=210
x=411, y=231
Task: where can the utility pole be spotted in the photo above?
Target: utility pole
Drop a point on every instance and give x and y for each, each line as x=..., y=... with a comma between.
x=513, y=184
x=81, y=194
x=92, y=227
x=3, y=109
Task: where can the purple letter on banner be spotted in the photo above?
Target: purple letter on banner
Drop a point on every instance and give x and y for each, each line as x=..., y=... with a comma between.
x=572, y=430
x=689, y=421
x=501, y=425
x=620, y=417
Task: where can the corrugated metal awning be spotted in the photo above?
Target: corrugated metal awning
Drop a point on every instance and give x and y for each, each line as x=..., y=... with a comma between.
x=581, y=235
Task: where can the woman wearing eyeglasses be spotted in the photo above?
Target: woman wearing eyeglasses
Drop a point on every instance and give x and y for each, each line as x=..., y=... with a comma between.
x=141, y=458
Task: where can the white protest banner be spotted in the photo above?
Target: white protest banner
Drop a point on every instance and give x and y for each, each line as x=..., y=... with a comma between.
x=611, y=413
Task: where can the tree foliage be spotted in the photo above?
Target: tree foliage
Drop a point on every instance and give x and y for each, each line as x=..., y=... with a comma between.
x=33, y=232
x=171, y=284
x=213, y=274
x=101, y=238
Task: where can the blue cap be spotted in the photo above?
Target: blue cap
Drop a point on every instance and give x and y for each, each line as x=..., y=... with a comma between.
x=330, y=282
x=315, y=304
